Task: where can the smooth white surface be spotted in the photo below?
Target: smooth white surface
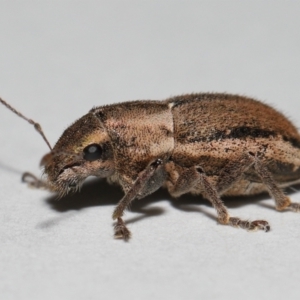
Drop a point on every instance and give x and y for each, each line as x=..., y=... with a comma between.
x=58, y=59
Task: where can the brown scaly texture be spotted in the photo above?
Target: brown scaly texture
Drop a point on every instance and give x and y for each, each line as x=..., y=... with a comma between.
x=209, y=144
x=211, y=130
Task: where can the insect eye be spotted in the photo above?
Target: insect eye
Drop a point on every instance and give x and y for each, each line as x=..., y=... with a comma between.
x=92, y=152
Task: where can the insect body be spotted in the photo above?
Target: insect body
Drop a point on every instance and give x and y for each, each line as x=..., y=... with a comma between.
x=208, y=144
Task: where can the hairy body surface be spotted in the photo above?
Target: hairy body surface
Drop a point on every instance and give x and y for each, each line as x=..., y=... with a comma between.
x=208, y=144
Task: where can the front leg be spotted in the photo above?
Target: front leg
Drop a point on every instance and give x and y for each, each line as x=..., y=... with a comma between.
x=34, y=182
x=121, y=231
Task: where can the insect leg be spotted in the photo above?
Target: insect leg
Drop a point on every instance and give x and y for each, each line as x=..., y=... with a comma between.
x=121, y=230
x=196, y=176
x=213, y=196
x=34, y=182
x=281, y=200
x=233, y=171
x=223, y=216
x=192, y=177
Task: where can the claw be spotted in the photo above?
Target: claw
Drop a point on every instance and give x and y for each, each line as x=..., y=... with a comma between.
x=121, y=231
x=295, y=207
x=261, y=225
x=251, y=226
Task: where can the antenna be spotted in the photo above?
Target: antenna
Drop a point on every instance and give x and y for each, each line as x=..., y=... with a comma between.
x=37, y=126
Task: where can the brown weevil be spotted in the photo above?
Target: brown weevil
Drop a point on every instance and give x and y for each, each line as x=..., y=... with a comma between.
x=209, y=144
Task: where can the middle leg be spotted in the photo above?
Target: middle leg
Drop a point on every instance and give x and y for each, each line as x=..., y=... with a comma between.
x=195, y=176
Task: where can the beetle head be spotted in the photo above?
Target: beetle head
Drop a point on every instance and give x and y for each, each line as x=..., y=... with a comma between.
x=83, y=150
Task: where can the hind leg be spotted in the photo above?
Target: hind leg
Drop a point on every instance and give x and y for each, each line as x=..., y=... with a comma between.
x=281, y=200
x=233, y=171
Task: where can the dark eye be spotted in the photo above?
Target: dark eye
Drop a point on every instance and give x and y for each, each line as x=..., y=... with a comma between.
x=92, y=152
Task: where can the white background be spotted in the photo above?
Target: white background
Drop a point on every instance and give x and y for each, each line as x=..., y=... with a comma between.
x=58, y=59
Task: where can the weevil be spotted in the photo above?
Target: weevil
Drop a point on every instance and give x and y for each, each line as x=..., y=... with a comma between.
x=206, y=144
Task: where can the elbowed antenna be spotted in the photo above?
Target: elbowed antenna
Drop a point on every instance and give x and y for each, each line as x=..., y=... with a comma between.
x=37, y=126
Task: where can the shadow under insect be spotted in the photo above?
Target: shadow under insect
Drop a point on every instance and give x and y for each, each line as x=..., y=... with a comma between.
x=97, y=192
